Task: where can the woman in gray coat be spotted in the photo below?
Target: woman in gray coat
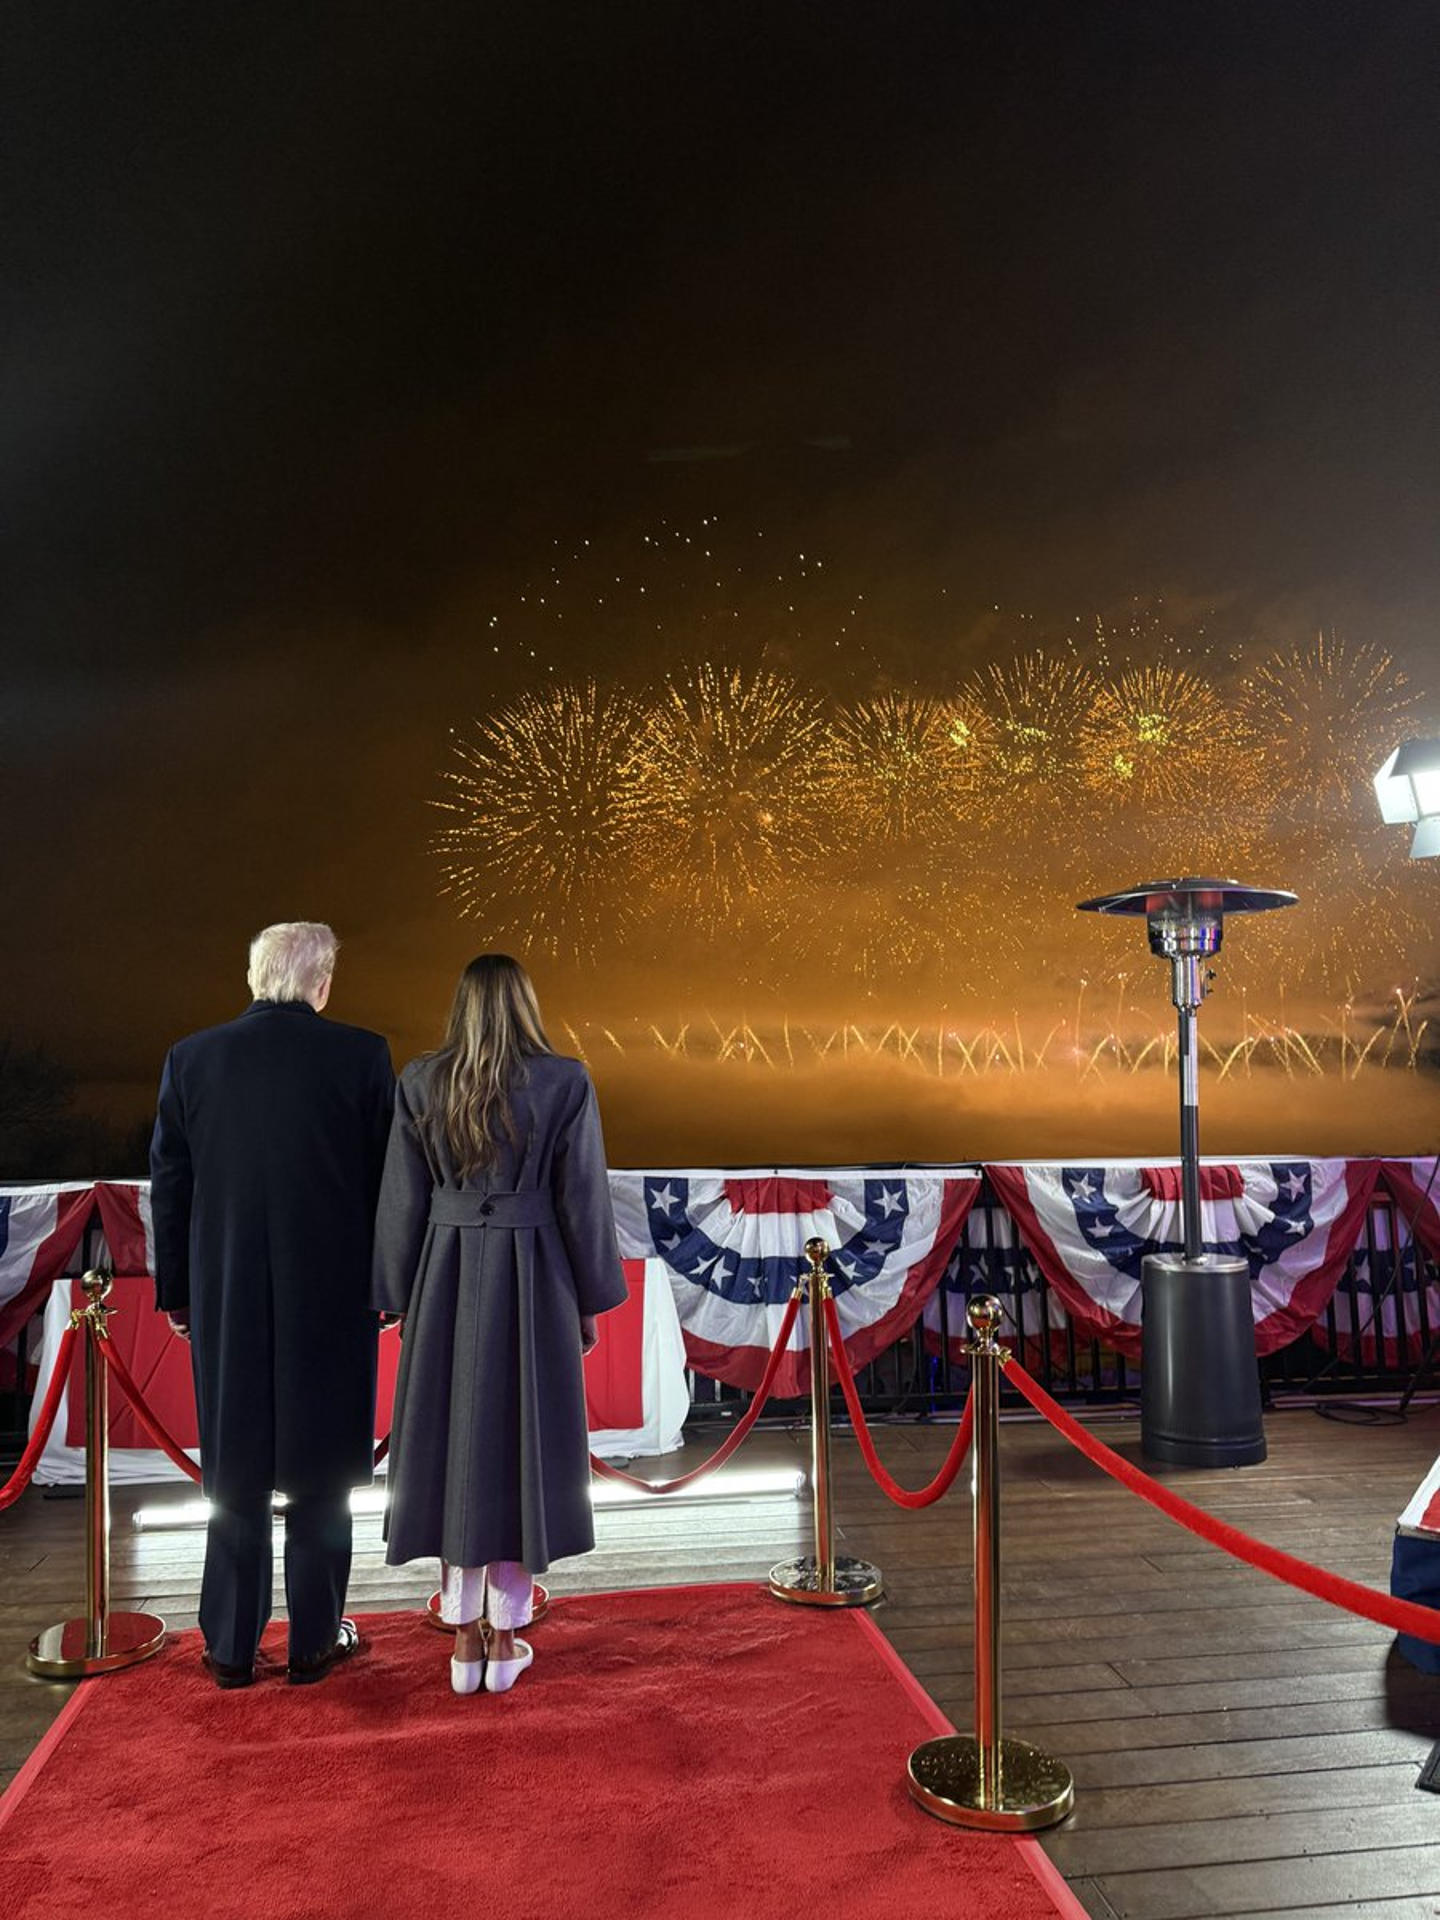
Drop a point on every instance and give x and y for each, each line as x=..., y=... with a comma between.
x=495, y=1243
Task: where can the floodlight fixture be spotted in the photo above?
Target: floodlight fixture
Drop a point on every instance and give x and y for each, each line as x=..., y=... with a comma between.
x=1408, y=789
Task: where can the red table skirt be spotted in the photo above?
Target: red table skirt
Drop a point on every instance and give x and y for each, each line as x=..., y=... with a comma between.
x=159, y=1363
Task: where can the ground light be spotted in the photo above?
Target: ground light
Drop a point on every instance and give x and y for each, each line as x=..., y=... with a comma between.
x=756, y=1483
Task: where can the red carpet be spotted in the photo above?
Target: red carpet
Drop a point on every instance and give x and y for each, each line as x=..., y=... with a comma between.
x=673, y=1752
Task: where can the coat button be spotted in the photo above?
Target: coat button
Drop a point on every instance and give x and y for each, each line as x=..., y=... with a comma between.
x=486, y=1207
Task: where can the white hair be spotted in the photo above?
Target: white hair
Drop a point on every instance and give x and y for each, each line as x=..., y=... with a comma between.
x=292, y=960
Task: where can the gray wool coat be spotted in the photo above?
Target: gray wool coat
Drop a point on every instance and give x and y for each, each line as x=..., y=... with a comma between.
x=489, y=1451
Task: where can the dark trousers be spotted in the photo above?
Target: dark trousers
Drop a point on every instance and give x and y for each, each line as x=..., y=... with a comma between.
x=239, y=1570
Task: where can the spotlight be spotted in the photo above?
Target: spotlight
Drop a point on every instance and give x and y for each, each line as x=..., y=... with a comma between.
x=1408, y=789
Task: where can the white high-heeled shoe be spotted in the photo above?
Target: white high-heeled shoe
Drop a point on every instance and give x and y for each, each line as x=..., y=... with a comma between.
x=466, y=1676
x=501, y=1675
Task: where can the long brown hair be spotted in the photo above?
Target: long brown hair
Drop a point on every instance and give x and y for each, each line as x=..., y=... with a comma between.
x=494, y=1028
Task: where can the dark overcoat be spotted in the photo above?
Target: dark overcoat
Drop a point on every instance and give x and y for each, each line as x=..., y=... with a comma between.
x=489, y=1453
x=264, y=1169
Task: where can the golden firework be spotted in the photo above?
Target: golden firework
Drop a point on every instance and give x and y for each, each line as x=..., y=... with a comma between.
x=724, y=757
x=1327, y=713
x=890, y=776
x=1174, y=771
x=1364, y=915
x=547, y=817
x=1160, y=735
x=1016, y=728
x=739, y=823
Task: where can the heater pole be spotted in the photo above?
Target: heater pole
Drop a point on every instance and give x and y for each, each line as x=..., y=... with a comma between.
x=1189, y=981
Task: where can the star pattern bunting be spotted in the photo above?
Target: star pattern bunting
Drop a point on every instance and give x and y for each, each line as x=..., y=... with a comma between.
x=733, y=1248
x=1091, y=1228
x=1104, y=1220
x=686, y=1245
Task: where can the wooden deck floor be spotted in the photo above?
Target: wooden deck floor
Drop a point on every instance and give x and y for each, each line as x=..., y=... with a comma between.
x=1237, y=1748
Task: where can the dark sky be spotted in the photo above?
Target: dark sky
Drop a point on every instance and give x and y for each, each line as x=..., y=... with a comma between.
x=323, y=324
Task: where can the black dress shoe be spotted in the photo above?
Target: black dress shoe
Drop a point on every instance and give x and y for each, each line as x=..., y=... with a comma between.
x=303, y=1673
x=224, y=1676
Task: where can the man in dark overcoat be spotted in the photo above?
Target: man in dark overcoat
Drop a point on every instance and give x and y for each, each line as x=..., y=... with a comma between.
x=265, y=1166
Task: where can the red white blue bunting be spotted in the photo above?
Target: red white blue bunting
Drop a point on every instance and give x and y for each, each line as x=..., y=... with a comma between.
x=1091, y=1227
x=990, y=1258
x=733, y=1245
x=41, y=1229
x=1389, y=1306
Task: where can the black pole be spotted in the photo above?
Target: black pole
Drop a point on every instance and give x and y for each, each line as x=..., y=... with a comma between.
x=1189, y=1132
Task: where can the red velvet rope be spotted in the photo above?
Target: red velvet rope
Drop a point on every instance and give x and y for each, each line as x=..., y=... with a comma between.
x=30, y=1459
x=732, y=1440
x=1403, y=1616
x=925, y=1496
x=170, y=1448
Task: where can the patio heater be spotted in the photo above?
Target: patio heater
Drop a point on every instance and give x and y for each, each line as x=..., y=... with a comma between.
x=1199, y=1388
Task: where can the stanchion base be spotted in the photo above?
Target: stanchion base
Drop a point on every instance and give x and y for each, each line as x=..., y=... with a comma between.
x=1036, y=1790
x=857, y=1583
x=539, y=1607
x=59, y=1653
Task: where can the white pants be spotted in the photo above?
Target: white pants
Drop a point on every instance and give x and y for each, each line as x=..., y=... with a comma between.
x=501, y=1593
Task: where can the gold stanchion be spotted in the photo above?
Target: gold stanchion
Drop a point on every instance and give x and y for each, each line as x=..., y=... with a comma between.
x=824, y=1578
x=988, y=1781
x=103, y=1641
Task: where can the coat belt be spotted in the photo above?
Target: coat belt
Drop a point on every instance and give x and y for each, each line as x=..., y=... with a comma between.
x=532, y=1207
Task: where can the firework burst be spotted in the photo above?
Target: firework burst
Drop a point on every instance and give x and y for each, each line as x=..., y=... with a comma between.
x=890, y=775
x=1162, y=736
x=547, y=818
x=929, y=841
x=1328, y=712
x=1365, y=912
x=1017, y=724
x=1172, y=770
x=725, y=756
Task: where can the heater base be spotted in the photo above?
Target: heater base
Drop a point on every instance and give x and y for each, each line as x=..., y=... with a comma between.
x=1199, y=1383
